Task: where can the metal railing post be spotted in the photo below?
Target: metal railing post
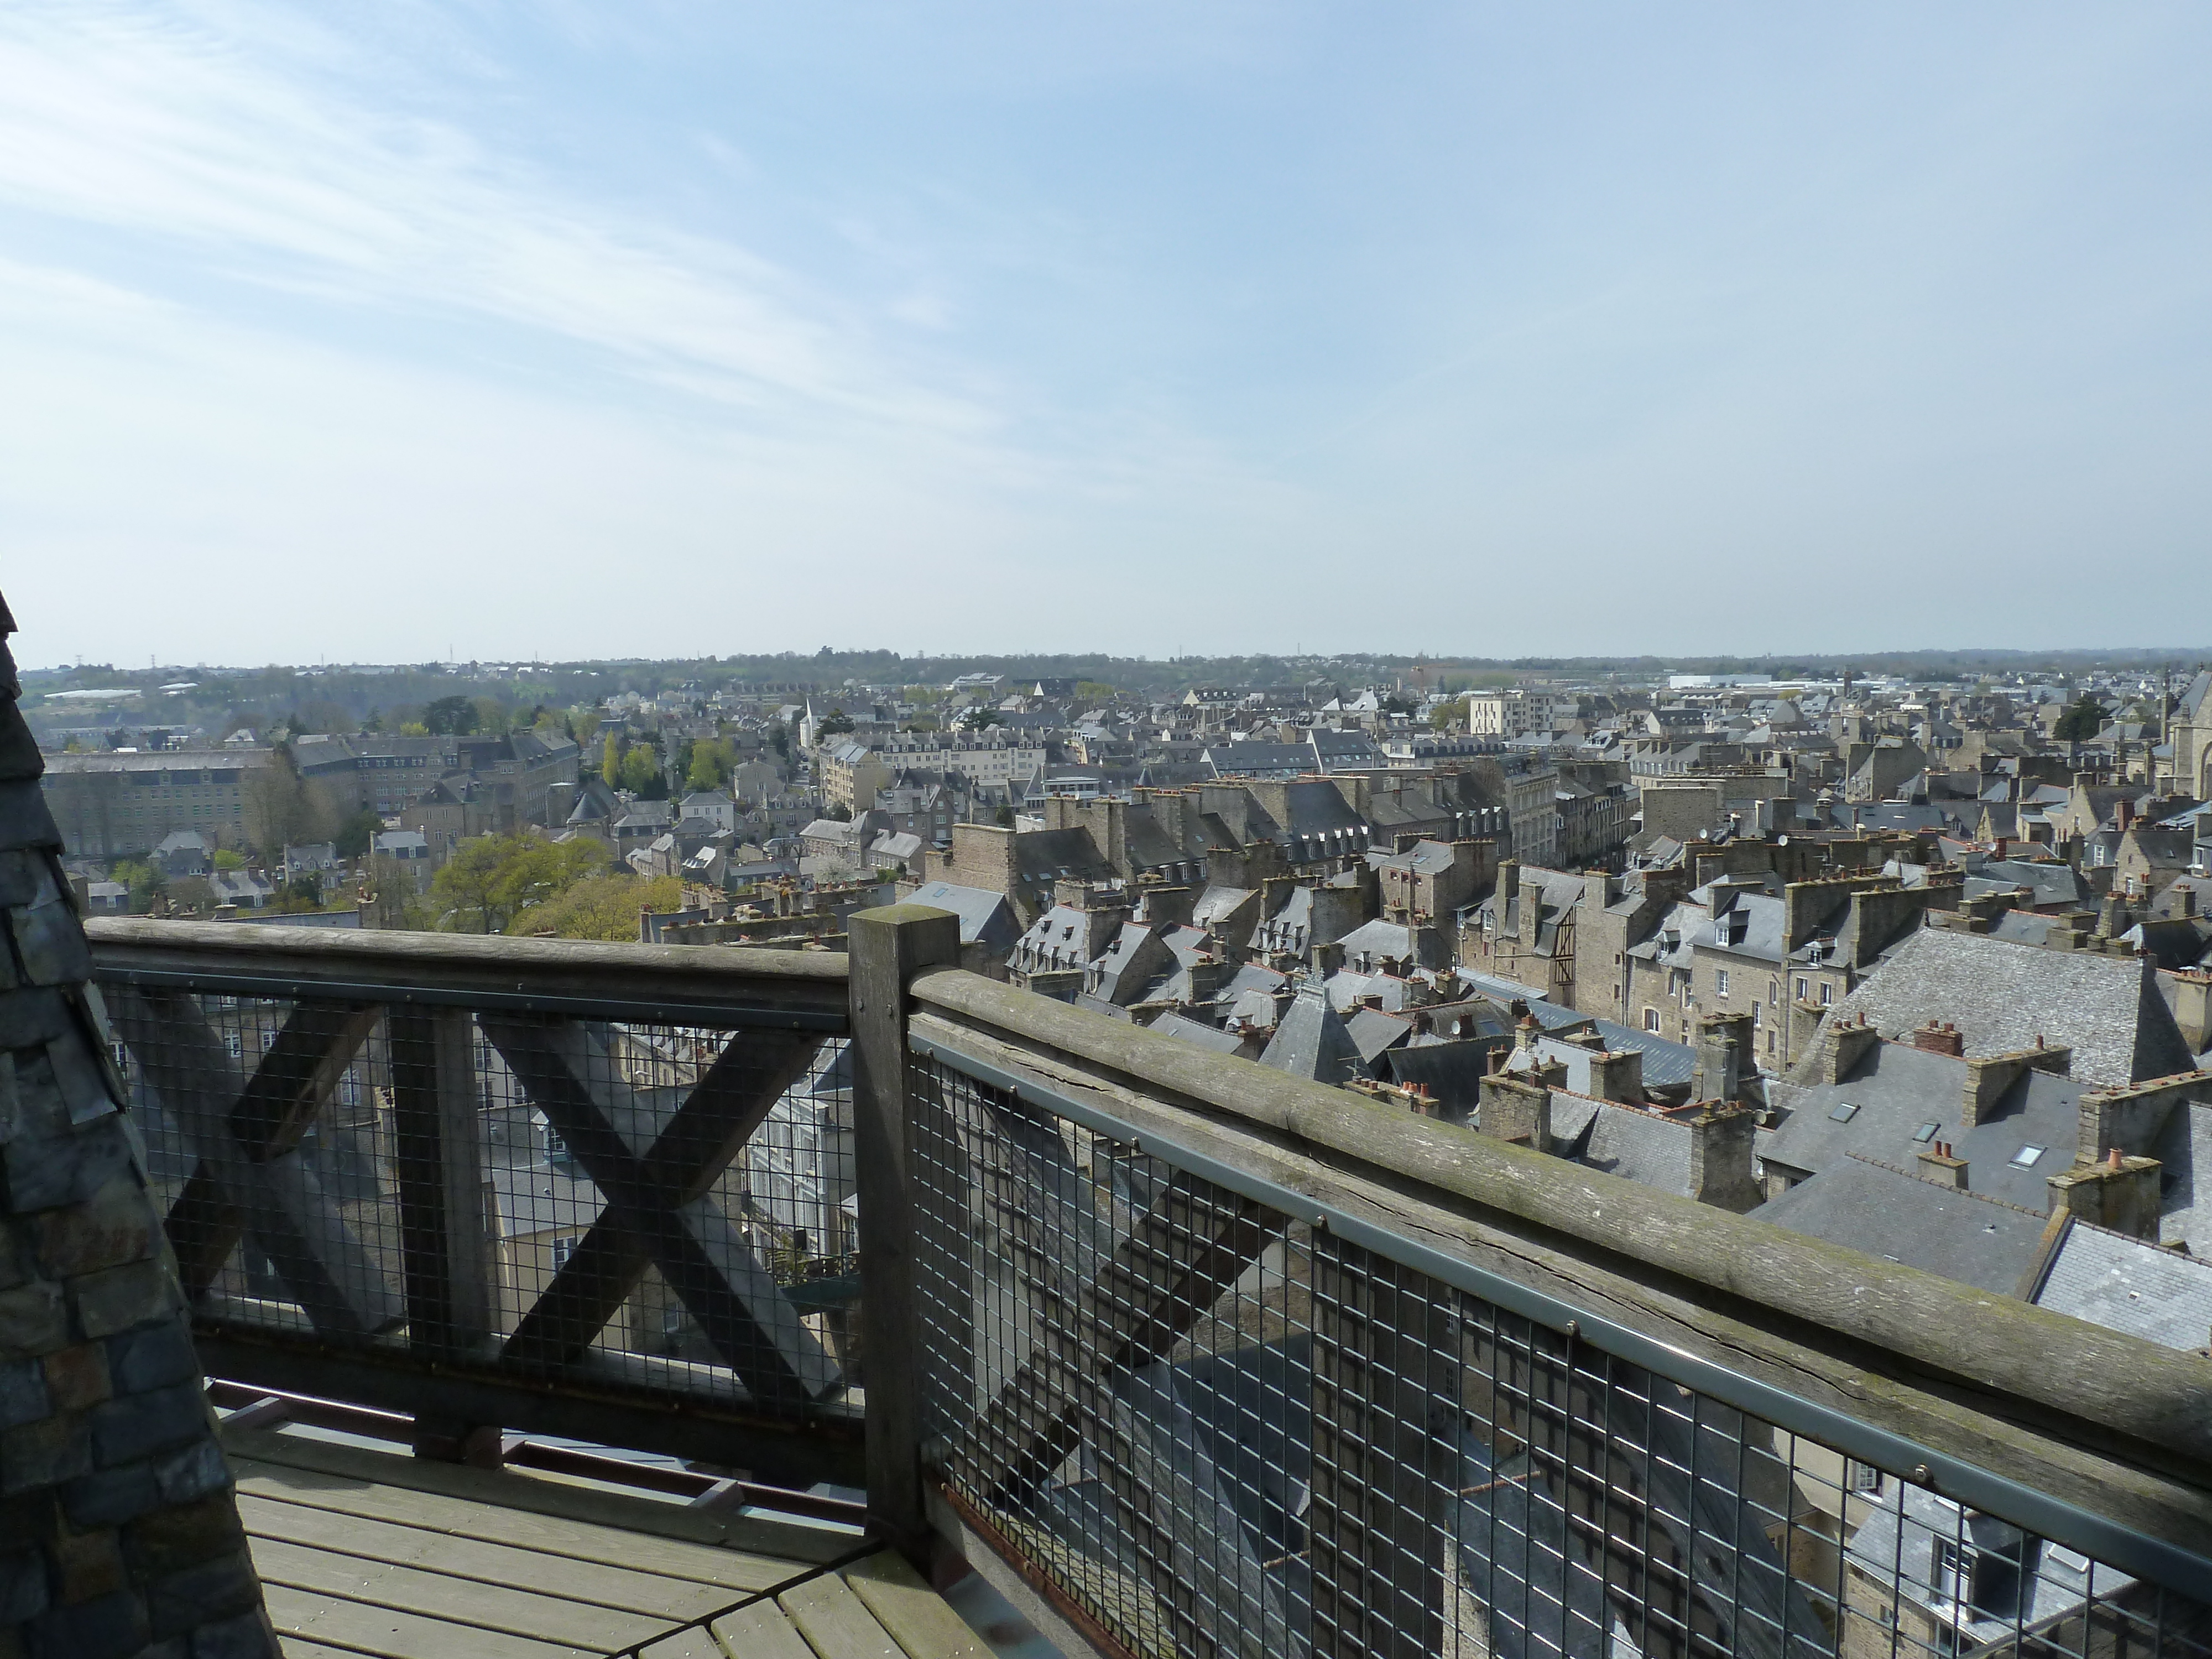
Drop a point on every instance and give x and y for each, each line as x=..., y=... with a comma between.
x=889, y=946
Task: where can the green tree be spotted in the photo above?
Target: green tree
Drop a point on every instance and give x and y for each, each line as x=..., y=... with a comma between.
x=145, y=881
x=225, y=859
x=641, y=771
x=2082, y=721
x=491, y=878
x=1005, y=818
x=713, y=761
x=192, y=896
x=356, y=833
x=610, y=759
x=976, y=718
x=836, y=721
x=282, y=809
x=454, y=716
x=1445, y=715
x=603, y=907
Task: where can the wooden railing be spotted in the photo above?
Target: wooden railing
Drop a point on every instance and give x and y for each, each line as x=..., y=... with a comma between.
x=1069, y=1226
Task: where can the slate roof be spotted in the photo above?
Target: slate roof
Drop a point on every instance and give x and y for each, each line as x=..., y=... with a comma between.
x=1897, y=1092
x=2056, y=886
x=1897, y=1542
x=1186, y=1030
x=1636, y=1146
x=2001, y=995
x=986, y=918
x=1379, y=939
x=1452, y=1072
x=1880, y=1211
x=1312, y=1041
x=2128, y=1284
x=1373, y=1032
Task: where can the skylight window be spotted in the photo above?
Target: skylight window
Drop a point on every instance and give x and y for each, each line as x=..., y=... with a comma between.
x=2025, y=1158
x=1843, y=1111
x=1926, y=1132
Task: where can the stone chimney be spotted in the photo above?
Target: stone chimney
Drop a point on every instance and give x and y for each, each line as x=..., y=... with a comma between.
x=119, y=1528
x=2124, y=815
x=1721, y=1173
x=1511, y=1109
x=1846, y=1044
x=1509, y=882
x=1531, y=914
x=1617, y=1075
x=2121, y=1193
x=1935, y=1039
x=1940, y=1166
x=1724, y=1057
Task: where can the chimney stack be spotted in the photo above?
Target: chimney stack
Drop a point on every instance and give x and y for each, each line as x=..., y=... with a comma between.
x=1937, y=1165
x=1945, y=1039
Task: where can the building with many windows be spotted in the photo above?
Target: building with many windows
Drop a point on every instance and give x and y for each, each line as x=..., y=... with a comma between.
x=124, y=805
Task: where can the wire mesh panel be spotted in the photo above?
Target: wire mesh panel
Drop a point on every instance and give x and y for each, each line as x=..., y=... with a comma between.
x=1220, y=1428
x=666, y=1209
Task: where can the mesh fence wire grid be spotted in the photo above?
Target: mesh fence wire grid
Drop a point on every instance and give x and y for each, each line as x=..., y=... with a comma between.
x=1221, y=1430
x=671, y=1206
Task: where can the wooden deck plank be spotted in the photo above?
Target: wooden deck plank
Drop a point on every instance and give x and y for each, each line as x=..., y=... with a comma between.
x=386, y=1633
x=483, y=1518
x=295, y=1647
x=761, y=1631
x=687, y=1644
x=621, y=1587
x=836, y=1622
x=915, y=1615
x=456, y=1600
x=739, y=1533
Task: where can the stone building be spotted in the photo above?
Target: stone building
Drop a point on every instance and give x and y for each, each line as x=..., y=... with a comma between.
x=119, y=1532
x=120, y=805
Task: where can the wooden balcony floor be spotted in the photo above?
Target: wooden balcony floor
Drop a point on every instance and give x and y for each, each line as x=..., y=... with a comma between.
x=367, y=1551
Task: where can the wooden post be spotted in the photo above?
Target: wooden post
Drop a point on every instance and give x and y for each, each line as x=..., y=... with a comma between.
x=888, y=946
x=438, y=1168
x=445, y=1244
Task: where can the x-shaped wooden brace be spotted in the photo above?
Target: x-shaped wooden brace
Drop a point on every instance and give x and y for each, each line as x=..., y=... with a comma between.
x=1618, y=1448
x=656, y=1166
x=1180, y=1256
x=244, y=1131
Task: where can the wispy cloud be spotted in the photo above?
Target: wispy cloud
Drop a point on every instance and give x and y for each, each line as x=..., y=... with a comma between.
x=254, y=152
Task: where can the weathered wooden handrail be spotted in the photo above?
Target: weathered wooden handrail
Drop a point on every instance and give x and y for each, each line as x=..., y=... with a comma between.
x=2102, y=1420
x=485, y=970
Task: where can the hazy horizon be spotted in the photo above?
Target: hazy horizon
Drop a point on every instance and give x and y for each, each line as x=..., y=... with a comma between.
x=981, y=330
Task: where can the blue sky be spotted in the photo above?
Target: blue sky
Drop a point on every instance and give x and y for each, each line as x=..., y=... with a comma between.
x=359, y=333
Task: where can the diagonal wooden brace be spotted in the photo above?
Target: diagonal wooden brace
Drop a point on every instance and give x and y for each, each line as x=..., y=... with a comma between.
x=662, y=1206
x=688, y=1155
x=1183, y=1254
x=245, y=1131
